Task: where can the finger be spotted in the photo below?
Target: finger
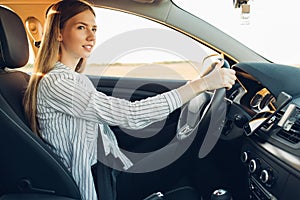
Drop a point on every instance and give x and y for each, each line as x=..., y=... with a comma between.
x=228, y=71
x=219, y=63
x=230, y=80
x=231, y=71
x=229, y=87
x=232, y=76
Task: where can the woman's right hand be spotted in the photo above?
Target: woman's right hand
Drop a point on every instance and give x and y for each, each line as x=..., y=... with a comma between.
x=219, y=77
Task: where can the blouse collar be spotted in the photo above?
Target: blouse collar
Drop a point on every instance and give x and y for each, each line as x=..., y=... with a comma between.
x=60, y=65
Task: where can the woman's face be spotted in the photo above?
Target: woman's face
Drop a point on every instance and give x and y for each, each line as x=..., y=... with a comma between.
x=77, y=38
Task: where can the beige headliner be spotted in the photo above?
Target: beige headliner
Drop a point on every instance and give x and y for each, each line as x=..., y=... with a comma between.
x=24, y=9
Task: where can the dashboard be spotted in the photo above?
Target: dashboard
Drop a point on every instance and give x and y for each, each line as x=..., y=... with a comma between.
x=265, y=109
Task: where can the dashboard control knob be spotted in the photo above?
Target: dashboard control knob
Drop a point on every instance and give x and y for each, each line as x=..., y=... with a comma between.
x=244, y=156
x=221, y=194
x=240, y=120
x=253, y=165
x=266, y=176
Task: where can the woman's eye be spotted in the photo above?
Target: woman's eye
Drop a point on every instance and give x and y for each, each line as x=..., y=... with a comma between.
x=81, y=27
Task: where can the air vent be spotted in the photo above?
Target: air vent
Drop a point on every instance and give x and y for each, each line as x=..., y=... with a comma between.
x=290, y=131
x=291, y=135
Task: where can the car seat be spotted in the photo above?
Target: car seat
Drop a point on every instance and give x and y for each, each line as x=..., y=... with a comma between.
x=28, y=168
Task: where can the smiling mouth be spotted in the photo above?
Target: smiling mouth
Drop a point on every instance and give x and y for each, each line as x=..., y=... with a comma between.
x=88, y=47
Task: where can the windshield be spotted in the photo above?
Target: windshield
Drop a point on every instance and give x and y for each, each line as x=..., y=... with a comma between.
x=271, y=28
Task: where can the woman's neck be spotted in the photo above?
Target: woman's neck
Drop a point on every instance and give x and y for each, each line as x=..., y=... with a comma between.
x=69, y=63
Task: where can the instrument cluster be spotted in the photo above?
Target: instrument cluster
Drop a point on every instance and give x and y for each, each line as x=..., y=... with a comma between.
x=262, y=101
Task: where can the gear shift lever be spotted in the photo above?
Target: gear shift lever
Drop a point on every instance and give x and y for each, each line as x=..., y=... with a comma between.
x=221, y=194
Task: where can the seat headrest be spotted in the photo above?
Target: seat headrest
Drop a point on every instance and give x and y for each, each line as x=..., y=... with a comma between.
x=14, y=49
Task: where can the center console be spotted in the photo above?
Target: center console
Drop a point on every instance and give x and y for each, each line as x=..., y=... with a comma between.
x=271, y=152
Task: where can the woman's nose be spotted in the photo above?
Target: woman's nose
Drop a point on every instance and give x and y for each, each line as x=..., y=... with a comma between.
x=91, y=35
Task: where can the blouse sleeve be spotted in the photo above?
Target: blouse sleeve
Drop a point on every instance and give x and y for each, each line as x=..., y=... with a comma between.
x=76, y=96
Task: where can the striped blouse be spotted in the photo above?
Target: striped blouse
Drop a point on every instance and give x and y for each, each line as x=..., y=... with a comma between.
x=71, y=113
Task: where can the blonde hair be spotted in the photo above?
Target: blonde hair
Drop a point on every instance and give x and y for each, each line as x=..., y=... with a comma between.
x=57, y=15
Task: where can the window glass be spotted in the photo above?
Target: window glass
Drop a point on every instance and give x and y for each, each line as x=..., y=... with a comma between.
x=132, y=46
x=271, y=28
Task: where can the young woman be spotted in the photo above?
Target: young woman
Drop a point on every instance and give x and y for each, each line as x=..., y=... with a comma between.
x=65, y=109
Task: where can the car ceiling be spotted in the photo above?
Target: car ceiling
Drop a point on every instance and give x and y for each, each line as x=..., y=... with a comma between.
x=37, y=8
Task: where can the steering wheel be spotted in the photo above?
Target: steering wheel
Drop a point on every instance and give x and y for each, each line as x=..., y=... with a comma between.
x=194, y=111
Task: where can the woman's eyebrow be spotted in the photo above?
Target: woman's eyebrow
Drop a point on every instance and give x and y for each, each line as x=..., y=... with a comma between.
x=85, y=24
